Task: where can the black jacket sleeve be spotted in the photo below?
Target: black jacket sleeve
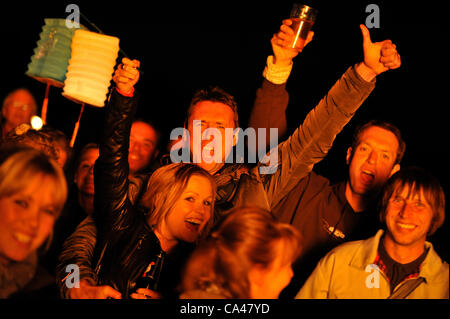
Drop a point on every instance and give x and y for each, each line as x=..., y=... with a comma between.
x=111, y=201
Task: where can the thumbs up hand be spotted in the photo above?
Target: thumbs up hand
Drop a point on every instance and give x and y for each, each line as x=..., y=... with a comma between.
x=379, y=56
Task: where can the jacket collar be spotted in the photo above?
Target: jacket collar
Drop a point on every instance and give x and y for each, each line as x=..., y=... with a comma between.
x=430, y=269
x=367, y=251
x=339, y=190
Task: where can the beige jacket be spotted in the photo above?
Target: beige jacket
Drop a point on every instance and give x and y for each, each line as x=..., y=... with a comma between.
x=347, y=272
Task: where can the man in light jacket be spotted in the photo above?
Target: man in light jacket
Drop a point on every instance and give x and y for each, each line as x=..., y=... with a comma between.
x=397, y=262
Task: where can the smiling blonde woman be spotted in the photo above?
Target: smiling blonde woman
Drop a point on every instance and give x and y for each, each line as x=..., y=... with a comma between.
x=33, y=191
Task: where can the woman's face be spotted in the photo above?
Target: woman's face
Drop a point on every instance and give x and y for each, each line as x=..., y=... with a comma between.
x=26, y=219
x=191, y=211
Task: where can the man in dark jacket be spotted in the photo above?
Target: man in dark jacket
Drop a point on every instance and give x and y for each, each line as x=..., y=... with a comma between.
x=328, y=215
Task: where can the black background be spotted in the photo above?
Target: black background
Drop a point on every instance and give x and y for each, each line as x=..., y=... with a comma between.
x=187, y=45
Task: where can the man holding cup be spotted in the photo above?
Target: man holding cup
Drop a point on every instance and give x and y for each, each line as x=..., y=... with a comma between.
x=326, y=214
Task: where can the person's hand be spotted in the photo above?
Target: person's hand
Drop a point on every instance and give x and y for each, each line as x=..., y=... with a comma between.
x=378, y=56
x=89, y=291
x=281, y=42
x=126, y=75
x=144, y=293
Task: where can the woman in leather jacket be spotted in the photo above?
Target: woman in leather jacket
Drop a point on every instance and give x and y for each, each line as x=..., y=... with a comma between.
x=175, y=209
x=145, y=250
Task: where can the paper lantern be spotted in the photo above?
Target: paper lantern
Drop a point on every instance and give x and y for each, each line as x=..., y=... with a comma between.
x=52, y=53
x=91, y=66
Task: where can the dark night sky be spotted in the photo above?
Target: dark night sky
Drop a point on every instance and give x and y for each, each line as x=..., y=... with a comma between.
x=186, y=46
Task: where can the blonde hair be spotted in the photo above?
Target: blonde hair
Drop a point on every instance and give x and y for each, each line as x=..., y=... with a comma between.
x=20, y=165
x=165, y=187
x=248, y=236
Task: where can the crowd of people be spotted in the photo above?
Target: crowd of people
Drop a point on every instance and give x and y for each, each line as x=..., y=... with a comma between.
x=137, y=225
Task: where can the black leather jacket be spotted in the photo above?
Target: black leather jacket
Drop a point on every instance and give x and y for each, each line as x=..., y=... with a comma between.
x=125, y=242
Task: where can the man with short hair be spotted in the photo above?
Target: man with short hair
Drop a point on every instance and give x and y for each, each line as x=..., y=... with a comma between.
x=18, y=107
x=328, y=215
x=395, y=263
x=298, y=154
x=144, y=146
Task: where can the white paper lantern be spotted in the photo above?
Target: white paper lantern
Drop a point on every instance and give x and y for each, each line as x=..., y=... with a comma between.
x=91, y=66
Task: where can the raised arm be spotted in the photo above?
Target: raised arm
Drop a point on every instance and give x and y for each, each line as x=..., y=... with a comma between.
x=111, y=168
x=269, y=109
x=295, y=158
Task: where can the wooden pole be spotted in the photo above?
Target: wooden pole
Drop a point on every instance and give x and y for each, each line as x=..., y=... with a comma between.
x=45, y=105
x=77, y=126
